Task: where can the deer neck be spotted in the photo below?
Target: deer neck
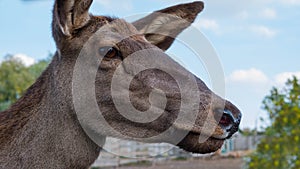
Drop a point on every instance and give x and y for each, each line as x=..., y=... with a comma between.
x=16, y=117
x=41, y=129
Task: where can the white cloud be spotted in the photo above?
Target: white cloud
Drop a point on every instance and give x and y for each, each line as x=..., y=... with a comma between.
x=243, y=15
x=290, y=2
x=282, y=78
x=208, y=24
x=126, y=5
x=26, y=60
x=269, y=13
x=257, y=77
x=249, y=87
x=251, y=76
x=263, y=31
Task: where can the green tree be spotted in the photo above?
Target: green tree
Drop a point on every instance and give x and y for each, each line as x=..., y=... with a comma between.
x=280, y=149
x=15, y=78
x=36, y=69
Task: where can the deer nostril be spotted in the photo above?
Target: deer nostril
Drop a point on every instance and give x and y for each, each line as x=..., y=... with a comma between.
x=224, y=118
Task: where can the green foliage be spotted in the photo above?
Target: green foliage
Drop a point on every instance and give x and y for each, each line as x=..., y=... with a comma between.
x=281, y=147
x=15, y=78
x=36, y=69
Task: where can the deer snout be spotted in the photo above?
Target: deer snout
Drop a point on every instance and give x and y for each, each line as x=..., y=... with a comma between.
x=228, y=119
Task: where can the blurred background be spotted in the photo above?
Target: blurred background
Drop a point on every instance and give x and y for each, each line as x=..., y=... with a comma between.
x=258, y=45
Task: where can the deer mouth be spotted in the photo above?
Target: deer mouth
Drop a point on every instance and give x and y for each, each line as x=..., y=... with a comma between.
x=198, y=140
x=191, y=143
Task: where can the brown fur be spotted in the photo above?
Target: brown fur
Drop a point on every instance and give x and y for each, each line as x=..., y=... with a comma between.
x=41, y=130
x=13, y=119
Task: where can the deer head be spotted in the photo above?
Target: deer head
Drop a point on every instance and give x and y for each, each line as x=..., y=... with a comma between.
x=139, y=90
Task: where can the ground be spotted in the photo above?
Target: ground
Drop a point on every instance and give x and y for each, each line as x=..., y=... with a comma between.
x=229, y=163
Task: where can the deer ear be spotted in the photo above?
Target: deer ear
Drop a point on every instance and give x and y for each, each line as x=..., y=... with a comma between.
x=70, y=15
x=163, y=26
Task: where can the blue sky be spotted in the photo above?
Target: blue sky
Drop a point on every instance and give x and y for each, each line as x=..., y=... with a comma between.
x=258, y=41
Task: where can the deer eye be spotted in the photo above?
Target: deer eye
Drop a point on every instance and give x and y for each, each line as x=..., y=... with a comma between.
x=108, y=52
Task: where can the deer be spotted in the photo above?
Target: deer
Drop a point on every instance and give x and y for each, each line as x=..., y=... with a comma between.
x=42, y=129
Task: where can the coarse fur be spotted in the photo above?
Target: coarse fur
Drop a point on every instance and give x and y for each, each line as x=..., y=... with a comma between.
x=41, y=129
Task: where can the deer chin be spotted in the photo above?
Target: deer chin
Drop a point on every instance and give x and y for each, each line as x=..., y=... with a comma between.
x=201, y=141
x=192, y=144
